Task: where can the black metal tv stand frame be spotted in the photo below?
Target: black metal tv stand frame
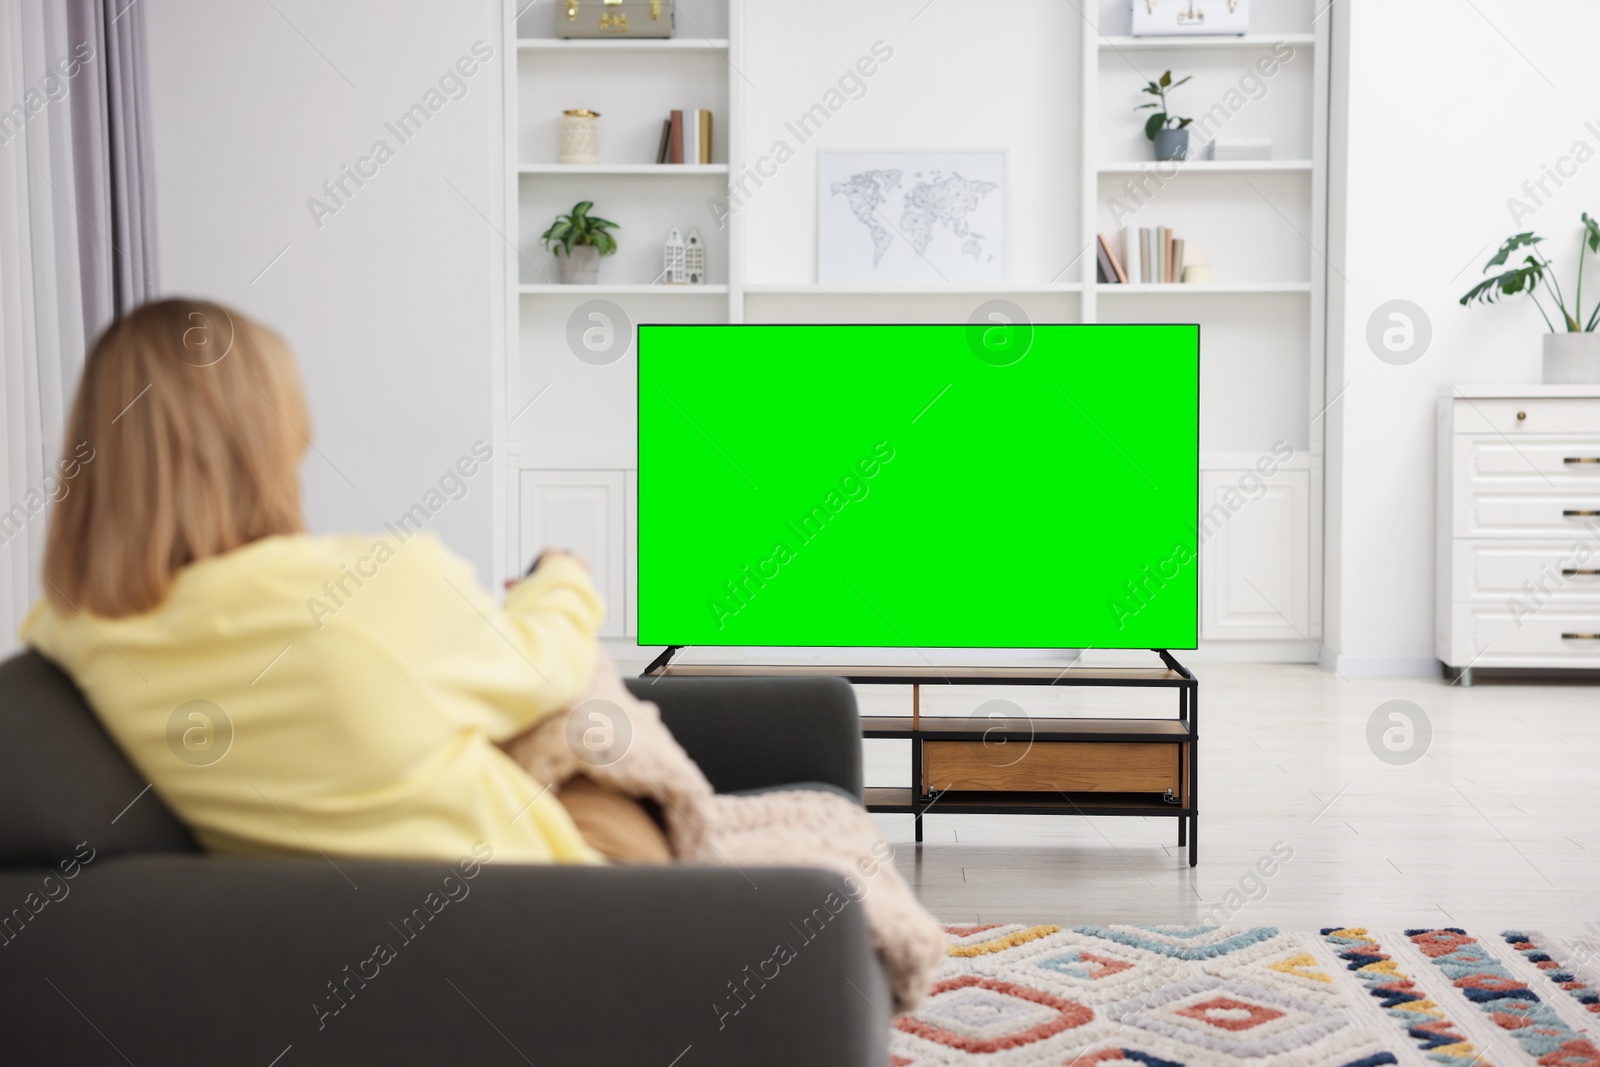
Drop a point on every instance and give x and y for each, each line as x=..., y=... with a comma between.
x=962, y=750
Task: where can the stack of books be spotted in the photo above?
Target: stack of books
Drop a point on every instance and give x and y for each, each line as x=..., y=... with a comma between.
x=685, y=137
x=1149, y=256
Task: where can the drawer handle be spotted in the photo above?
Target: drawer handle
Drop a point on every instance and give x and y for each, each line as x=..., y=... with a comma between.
x=1580, y=637
x=1572, y=513
x=1568, y=572
x=1581, y=459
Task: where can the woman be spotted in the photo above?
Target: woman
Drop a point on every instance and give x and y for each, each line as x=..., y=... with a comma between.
x=285, y=693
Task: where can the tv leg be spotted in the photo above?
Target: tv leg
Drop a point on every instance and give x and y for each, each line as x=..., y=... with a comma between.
x=1183, y=831
x=1194, y=840
x=916, y=821
x=659, y=664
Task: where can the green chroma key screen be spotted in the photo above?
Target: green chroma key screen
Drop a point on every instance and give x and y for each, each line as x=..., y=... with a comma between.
x=919, y=486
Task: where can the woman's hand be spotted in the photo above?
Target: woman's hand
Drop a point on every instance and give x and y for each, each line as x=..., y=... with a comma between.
x=549, y=553
x=552, y=553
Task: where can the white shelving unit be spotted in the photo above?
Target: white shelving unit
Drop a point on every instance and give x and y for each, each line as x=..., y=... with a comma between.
x=1205, y=290
x=906, y=290
x=654, y=170
x=1207, y=44
x=1262, y=223
x=1072, y=147
x=558, y=289
x=569, y=436
x=1209, y=166
x=664, y=44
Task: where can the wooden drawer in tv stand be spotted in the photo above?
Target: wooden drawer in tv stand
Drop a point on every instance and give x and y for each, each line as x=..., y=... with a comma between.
x=1051, y=767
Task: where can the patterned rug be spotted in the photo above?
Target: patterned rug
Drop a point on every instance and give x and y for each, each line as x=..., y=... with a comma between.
x=1171, y=996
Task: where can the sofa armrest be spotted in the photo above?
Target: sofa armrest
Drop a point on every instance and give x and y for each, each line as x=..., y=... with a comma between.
x=748, y=733
x=179, y=959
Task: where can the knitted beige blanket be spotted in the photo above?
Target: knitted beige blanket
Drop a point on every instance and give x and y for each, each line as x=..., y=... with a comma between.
x=804, y=828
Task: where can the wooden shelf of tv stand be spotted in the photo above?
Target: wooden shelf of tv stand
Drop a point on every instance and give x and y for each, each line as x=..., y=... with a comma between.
x=965, y=728
x=899, y=800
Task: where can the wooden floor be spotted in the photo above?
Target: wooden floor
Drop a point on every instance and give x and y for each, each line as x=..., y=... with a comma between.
x=1498, y=823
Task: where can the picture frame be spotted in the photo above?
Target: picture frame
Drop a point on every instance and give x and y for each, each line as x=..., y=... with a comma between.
x=910, y=216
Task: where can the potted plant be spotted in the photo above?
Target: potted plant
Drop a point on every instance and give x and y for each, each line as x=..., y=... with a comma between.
x=1572, y=348
x=1169, y=133
x=579, y=240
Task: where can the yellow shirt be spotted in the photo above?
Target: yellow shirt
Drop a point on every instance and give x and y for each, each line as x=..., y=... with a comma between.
x=352, y=690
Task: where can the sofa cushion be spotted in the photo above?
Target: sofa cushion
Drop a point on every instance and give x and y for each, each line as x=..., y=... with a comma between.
x=63, y=780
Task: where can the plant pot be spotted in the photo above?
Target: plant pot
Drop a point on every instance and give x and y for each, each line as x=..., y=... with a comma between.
x=1172, y=145
x=582, y=267
x=1572, y=359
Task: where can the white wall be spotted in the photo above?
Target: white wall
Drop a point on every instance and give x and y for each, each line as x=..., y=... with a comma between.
x=1450, y=109
x=955, y=79
x=393, y=304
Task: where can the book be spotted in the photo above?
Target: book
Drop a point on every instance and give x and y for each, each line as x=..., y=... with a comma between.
x=704, y=122
x=675, y=153
x=1135, y=261
x=691, y=137
x=1177, y=260
x=1147, y=255
x=666, y=141
x=1161, y=255
x=1106, y=274
x=1171, y=243
x=1118, y=275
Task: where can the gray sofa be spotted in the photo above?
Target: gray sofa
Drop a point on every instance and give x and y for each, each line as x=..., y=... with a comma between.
x=153, y=952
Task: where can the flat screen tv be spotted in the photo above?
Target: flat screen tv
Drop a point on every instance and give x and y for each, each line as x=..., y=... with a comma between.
x=919, y=486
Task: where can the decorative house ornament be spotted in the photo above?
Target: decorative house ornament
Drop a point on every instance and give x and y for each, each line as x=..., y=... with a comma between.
x=672, y=257
x=580, y=136
x=1162, y=18
x=694, y=259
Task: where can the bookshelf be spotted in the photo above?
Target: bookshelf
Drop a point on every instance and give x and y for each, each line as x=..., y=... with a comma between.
x=568, y=418
x=1246, y=42
x=558, y=289
x=654, y=170
x=1203, y=290
x=1263, y=226
x=1063, y=112
x=665, y=44
x=1209, y=166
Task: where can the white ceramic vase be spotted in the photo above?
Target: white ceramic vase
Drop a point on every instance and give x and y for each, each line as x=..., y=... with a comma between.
x=580, y=136
x=1572, y=359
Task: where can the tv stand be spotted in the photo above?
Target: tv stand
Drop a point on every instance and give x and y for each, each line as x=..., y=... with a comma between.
x=966, y=765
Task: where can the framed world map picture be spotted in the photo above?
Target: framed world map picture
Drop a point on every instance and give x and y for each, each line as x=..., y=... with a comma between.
x=930, y=217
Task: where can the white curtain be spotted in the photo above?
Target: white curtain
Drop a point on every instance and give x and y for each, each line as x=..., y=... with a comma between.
x=76, y=242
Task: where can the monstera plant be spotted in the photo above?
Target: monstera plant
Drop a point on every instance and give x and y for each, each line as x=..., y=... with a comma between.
x=1572, y=347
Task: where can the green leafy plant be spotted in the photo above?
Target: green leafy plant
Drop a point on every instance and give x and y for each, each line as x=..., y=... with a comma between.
x=1537, y=270
x=581, y=228
x=1163, y=119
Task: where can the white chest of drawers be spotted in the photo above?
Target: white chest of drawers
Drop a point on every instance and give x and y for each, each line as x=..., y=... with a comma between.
x=1518, y=527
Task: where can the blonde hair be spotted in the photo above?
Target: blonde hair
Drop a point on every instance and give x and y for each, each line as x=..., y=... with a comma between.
x=197, y=424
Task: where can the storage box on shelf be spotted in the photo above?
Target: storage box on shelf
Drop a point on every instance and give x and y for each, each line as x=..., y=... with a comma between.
x=1518, y=528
